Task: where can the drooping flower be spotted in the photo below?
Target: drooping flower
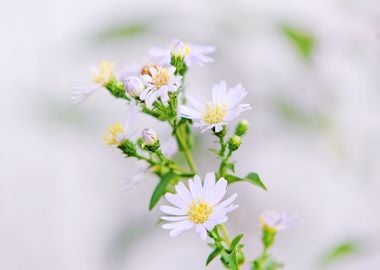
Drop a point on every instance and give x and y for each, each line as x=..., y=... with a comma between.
x=159, y=81
x=102, y=74
x=276, y=221
x=223, y=107
x=118, y=132
x=200, y=206
x=191, y=53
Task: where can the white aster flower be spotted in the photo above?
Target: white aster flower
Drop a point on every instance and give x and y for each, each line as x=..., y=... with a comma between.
x=200, y=206
x=224, y=107
x=159, y=81
x=197, y=54
x=102, y=74
x=277, y=221
x=118, y=132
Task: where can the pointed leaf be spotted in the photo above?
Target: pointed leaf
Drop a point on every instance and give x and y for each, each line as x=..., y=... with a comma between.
x=213, y=254
x=254, y=178
x=236, y=241
x=160, y=189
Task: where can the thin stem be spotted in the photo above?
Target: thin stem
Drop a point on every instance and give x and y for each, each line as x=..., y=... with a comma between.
x=225, y=234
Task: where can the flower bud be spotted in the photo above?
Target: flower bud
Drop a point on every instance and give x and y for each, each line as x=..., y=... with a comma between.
x=242, y=128
x=128, y=148
x=133, y=86
x=149, y=136
x=234, y=143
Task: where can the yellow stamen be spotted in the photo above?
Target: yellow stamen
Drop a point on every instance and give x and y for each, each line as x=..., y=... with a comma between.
x=187, y=50
x=199, y=212
x=214, y=114
x=145, y=70
x=103, y=73
x=110, y=137
x=161, y=78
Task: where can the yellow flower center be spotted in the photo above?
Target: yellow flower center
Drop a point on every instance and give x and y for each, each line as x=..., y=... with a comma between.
x=110, y=137
x=161, y=78
x=199, y=212
x=187, y=50
x=214, y=114
x=104, y=73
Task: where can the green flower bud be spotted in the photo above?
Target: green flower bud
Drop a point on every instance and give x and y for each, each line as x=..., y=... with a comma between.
x=234, y=143
x=240, y=257
x=128, y=148
x=242, y=128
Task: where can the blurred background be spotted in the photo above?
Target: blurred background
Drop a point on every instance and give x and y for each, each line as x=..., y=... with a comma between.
x=312, y=69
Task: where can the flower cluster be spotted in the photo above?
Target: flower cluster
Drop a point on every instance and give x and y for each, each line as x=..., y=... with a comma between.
x=156, y=88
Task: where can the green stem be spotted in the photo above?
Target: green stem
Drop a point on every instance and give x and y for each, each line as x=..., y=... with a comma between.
x=185, y=149
x=225, y=234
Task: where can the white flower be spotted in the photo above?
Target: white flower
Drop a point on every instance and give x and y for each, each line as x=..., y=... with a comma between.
x=102, y=74
x=149, y=136
x=277, y=221
x=197, y=54
x=170, y=147
x=199, y=206
x=133, y=86
x=118, y=132
x=224, y=107
x=159, y=82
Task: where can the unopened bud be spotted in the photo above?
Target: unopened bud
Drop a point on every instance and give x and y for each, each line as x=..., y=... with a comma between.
x=234, y=143
x=242, y=128
x=150, y=139
x=133, y=86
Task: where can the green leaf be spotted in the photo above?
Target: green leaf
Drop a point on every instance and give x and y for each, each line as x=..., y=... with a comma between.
x=303, y=41
x=123, y=31
x=160, y=189
x=236, y=241
x=213, y=254
x=254, y=178
x=230, y=166
x=340, y=251
x=232, y=178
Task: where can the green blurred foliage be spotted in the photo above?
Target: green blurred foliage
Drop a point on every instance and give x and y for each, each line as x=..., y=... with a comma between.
x=303, y=41
x=123, y=31
x=340, y=251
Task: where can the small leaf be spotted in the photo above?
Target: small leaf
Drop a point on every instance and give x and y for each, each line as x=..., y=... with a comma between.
x=230, y=166
x=232, y=178
x=213, y=254
x=236, y=241
x=160, y=189
x=340, y=251
x=303, y=41
x=254, y=178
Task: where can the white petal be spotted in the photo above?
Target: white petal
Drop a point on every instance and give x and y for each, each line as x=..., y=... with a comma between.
x=188, y=112
x=184, y=193
x=176, y=225
x=196, y=102
x=226, y=202
x=208, y=186
x=172, y=210
x=219, y=191
x=201, y=230
x=196, y=188
x=176, y=218
x=175, y=200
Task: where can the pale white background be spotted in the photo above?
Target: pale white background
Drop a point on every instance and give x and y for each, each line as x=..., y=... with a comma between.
x=62, y=204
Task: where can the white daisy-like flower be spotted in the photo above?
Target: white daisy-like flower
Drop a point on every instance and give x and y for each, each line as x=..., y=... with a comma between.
x=118, y=132
x=102, y=74
x=277, y=221
x=192, y=54
x=159, y=81
x=224, y=107
x=200, y=206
